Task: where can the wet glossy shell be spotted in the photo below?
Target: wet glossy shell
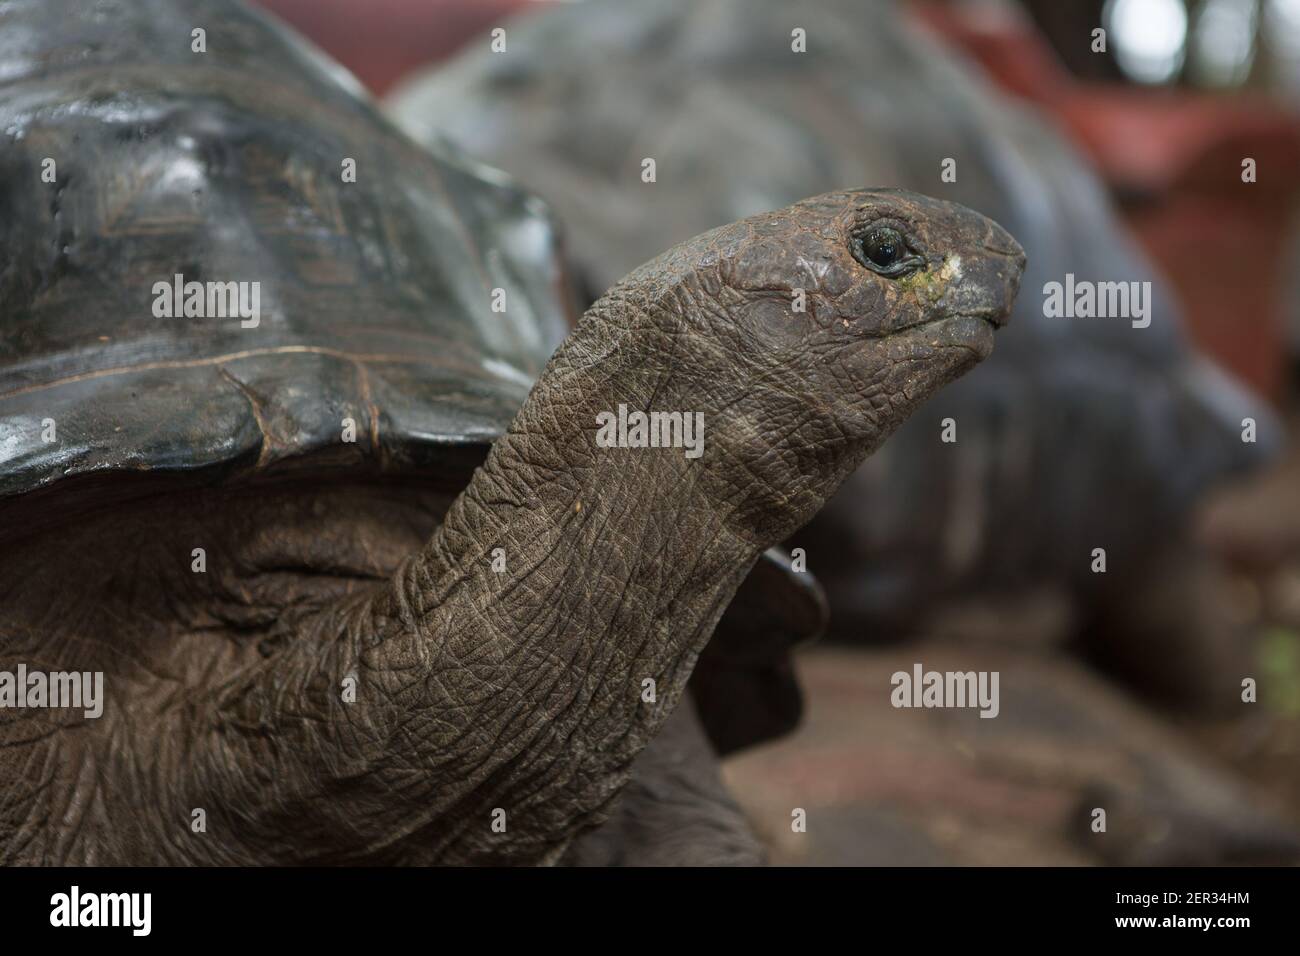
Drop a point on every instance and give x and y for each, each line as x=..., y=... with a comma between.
x=376, y=297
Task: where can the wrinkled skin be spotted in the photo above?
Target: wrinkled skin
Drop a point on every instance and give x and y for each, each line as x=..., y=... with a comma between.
x=675, y=810
x=479, y=690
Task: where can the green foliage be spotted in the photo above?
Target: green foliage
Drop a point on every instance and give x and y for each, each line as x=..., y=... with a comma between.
x=1279, y=657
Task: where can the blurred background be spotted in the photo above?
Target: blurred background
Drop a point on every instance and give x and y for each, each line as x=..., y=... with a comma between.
x=1137, y=709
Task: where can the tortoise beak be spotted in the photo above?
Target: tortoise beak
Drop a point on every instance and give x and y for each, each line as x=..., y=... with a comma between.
x=989, y=282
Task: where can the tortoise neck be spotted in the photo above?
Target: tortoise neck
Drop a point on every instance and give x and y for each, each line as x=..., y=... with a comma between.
x=598, y=496
x=583, y=578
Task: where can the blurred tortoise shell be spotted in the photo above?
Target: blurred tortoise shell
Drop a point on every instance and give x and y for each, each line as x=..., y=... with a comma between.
x=1074, y=433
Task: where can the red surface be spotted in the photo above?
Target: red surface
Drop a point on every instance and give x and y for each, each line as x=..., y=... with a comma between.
x=1173, y=160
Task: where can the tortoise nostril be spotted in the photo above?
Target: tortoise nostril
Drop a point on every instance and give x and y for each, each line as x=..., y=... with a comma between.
x=1000, y=242
x=1011, y=251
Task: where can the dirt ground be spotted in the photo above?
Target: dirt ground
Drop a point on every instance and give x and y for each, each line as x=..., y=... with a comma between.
x=880, y=785
x=1257, y=524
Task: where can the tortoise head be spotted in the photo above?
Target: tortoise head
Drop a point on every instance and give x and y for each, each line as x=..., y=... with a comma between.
x=817, y=329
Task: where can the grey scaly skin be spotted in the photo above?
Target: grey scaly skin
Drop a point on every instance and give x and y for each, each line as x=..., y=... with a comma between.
x=481, y=691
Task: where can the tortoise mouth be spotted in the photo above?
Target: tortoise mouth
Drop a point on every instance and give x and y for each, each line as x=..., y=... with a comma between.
x=972, y=331
x=993, y=317
x=990, y=317
x=968, y=331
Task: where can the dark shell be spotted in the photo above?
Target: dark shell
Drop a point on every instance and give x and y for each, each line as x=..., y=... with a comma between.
x=226, y=166
x=1077, y=432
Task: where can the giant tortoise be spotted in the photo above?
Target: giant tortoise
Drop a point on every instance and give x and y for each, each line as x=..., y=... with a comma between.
x=344, y=584
x=1082, y=435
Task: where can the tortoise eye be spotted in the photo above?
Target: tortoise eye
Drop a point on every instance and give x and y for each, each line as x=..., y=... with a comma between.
x=883, y=249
